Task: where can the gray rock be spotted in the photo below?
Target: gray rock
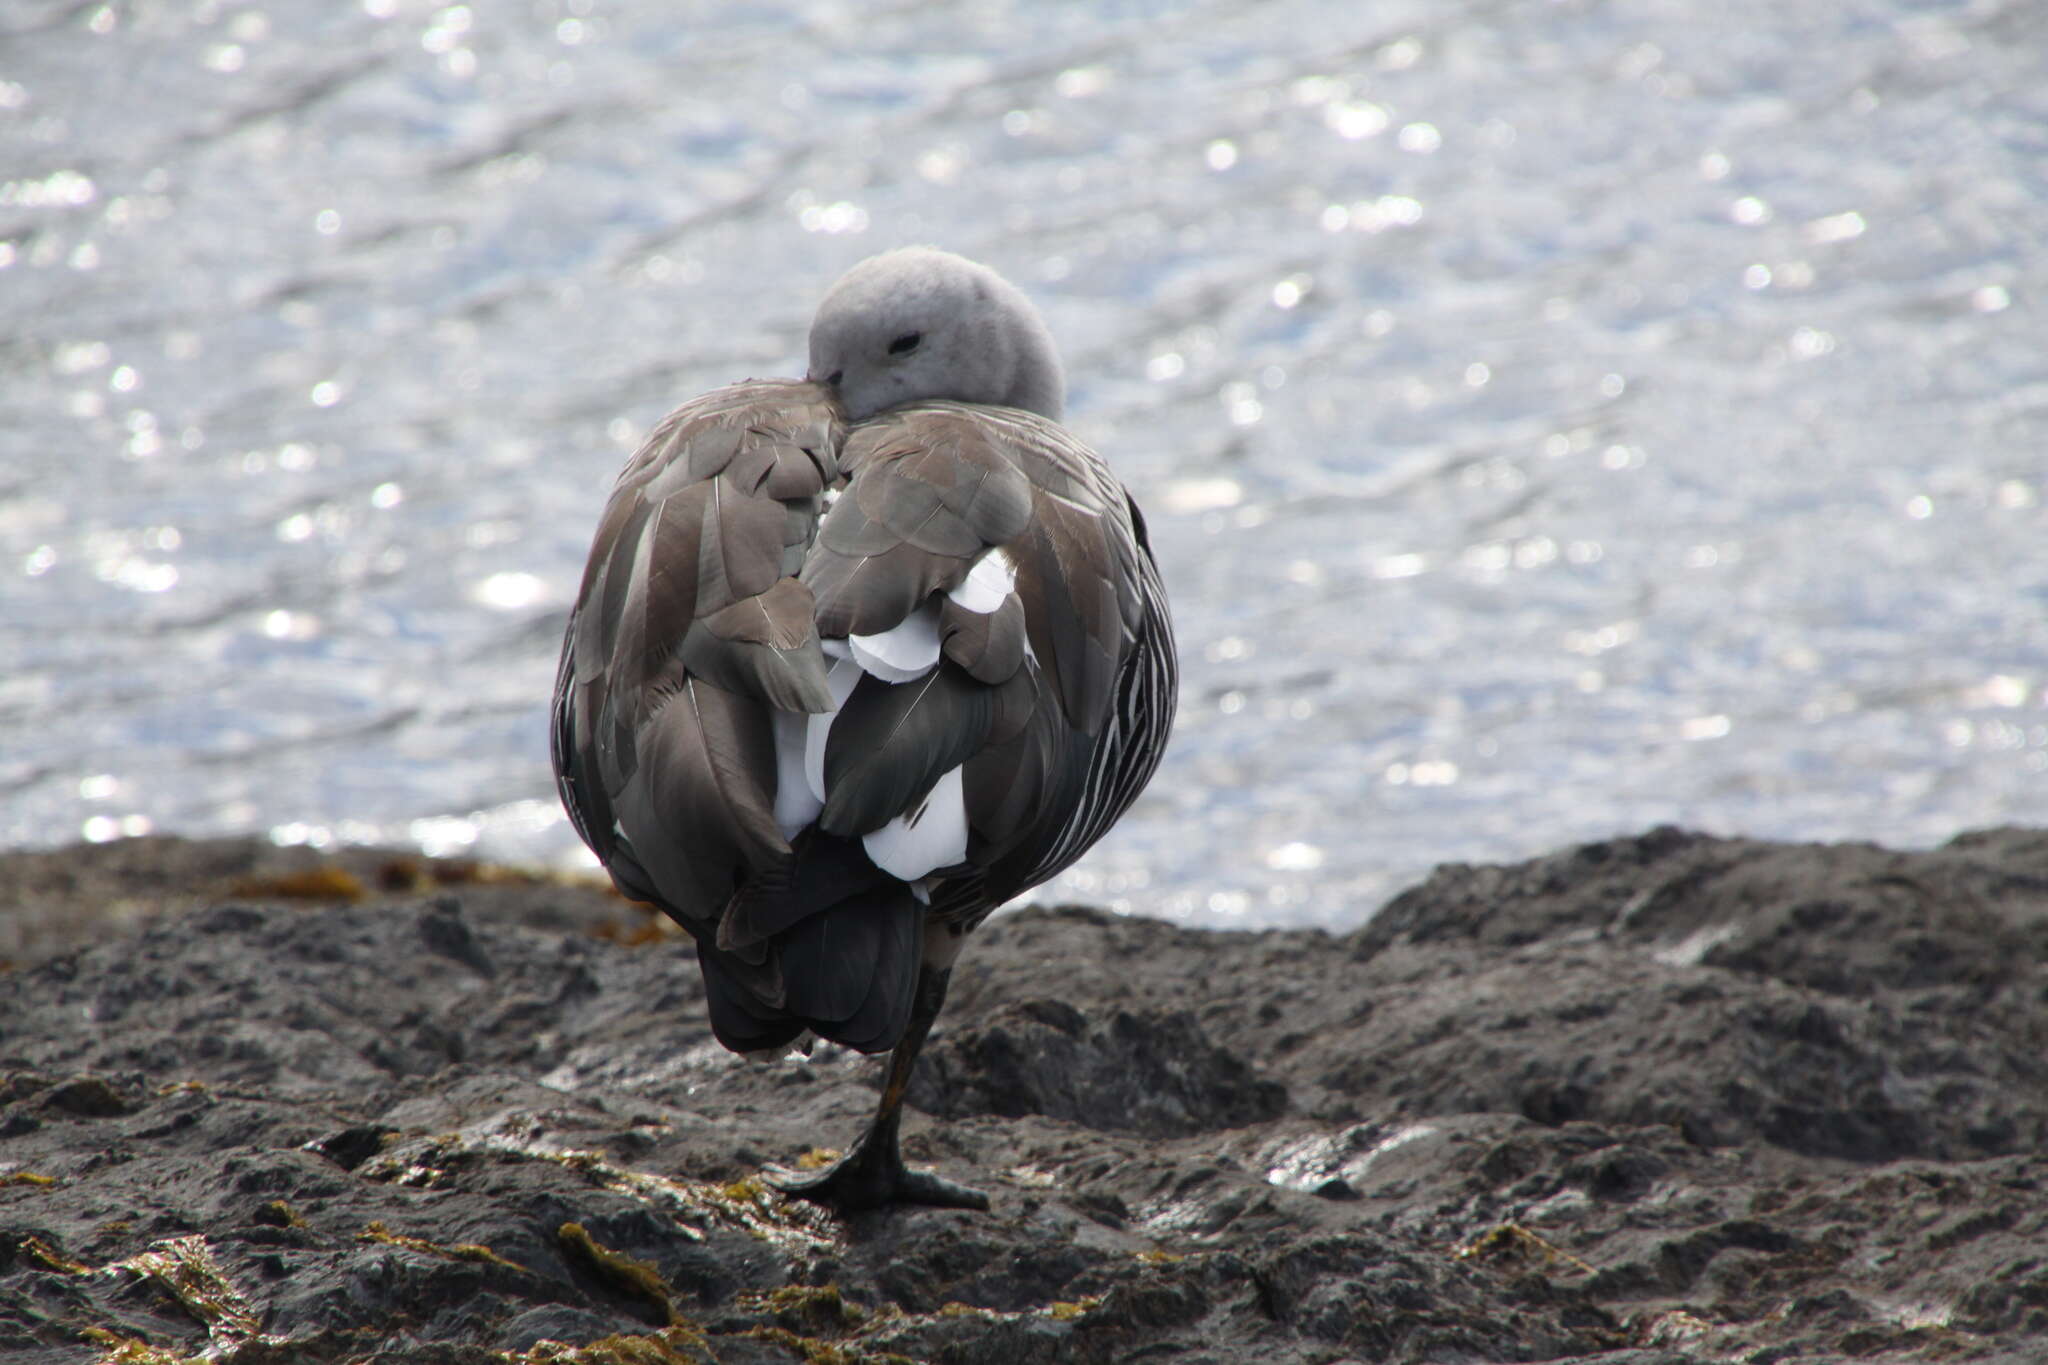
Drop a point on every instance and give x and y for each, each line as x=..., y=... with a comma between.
x=1645, y=1101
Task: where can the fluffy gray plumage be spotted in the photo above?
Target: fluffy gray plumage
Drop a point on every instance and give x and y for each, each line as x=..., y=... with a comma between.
x=858, y=658
x=919, y=323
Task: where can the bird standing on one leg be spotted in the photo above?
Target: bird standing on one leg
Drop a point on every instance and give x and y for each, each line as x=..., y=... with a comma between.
x=855, y=660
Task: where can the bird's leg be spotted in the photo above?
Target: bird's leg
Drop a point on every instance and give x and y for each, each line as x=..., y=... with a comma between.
x=872, y=1173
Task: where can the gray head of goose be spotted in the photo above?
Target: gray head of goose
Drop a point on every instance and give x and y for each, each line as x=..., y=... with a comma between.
x=920, y=323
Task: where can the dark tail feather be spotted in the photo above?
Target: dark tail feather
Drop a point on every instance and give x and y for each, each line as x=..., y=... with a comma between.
x=631, y=878
x=826, y=870
x=738, y=1017
x=849, y=974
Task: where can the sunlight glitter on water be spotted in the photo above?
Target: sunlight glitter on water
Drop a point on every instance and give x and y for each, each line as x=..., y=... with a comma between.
x=1550, y=423
x=512, y=591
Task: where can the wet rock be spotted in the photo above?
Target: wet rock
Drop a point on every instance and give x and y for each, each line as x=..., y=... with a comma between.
x=352, y=1146
x=91, y=1097
x=1147, y=1072
x=1651, y=1100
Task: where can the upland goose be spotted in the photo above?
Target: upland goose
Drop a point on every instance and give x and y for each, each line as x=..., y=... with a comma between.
x=856, y=659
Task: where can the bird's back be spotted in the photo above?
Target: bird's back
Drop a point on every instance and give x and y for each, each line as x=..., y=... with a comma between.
x=826, y=684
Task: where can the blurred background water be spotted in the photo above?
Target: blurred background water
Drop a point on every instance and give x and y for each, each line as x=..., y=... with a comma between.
x=1555, y=418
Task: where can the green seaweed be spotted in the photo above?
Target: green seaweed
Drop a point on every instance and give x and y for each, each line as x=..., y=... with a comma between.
x=815, y=1352
x=1510, y=1245
x=633, y=1277
x=682, y=1343
x=814, y=1308
x=278, y=1214
x=460, y=1251
x=116, y=1349
x=184, y=1268
x=49, y=1258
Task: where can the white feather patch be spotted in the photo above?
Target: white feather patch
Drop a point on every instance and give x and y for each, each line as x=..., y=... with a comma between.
x=933, y=835
x=903, y=653
x=818, y=728
x=993, y=578
x=796, y=805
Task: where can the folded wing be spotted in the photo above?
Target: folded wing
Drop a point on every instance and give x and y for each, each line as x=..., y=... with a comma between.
x=795, y=729
x=689, y=632
x=1000, y=534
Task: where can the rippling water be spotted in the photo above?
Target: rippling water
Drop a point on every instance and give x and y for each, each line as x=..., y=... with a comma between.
x=1555, y=418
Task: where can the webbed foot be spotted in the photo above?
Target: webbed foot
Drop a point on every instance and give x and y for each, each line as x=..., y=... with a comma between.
x=873, y=1175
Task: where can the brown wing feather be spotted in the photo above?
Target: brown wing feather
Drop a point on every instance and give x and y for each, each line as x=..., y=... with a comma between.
x=686, y=630
x=929, y=493
x=989, y=645
x=698, y=811
x=933, y=487
x=893, y=741
x=709, y=586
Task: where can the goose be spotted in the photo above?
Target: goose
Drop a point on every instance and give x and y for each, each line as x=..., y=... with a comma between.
x=856, y=659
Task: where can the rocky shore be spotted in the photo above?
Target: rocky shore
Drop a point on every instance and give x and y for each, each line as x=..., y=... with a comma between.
x=1660, y=1099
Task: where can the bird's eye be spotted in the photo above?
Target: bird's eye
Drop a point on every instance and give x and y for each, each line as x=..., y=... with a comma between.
x=906, y=343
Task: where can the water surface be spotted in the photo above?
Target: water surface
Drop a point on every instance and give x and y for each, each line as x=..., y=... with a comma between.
x=1555, y=419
